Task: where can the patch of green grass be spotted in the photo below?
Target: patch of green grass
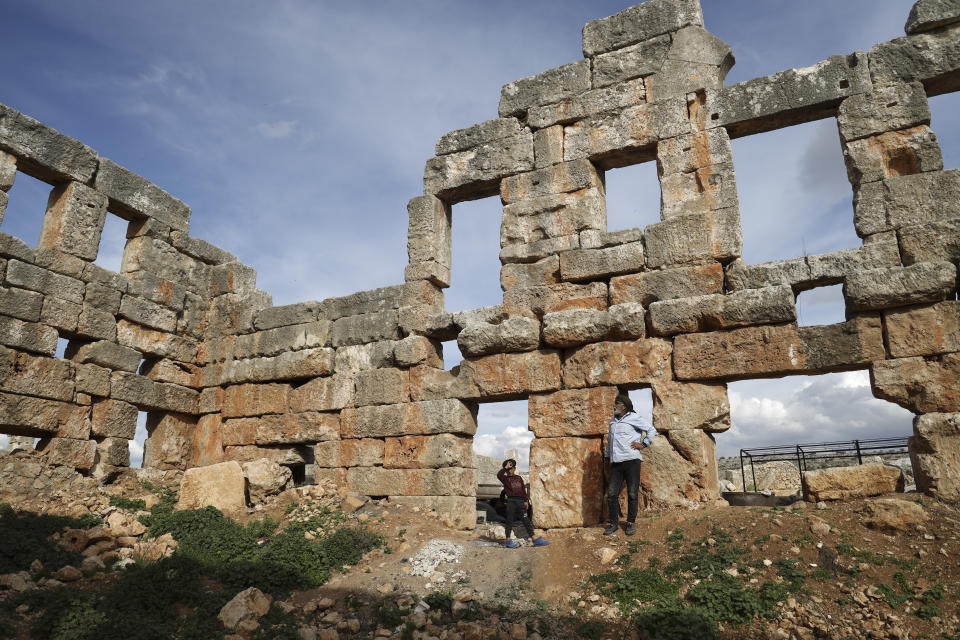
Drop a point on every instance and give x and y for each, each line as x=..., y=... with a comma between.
x=628, y=587
x=130, y=504
x=792, y=574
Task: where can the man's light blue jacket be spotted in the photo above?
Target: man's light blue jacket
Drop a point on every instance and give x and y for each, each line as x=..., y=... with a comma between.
x=625, y=430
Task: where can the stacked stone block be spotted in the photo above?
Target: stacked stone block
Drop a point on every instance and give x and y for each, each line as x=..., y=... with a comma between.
x=352, y=392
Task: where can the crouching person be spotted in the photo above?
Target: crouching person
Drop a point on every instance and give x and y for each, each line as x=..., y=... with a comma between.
x=517, y=503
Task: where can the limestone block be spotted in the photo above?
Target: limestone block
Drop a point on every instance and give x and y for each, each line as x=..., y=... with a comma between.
x=36, y=376
x=256, y=399
x=428, y=232
x=105, y=354
x=150, y=395
x=211, y=400
x=545, y=271
x=285, y=455
x=206, y=445
x=932, y=242
x=886, y=108
x=905, y=200
x=28, y=336
x=688, y=153
x=361, y=357
x=103, y=297
x=329, y=393
x=548, y=146
x=476, y=172
x=493, y=314
x=265, y=479
x=368, y=327
x=607, y=137
x=139, y=197
x=719, y=311
x=630, y=362
x=697, y=60
x=627, y=321
x=21, y=304
x=679, y=282
x=575, y=326
x=431, y=383
x=428, y=452
x=574, y=412
x=566, y=481
x=161, y=259
x=299, y=313
x=8, y=171
x=777, y=349
x=892, y=154
x=928, y=57
x=487, y=131
x=382, y=386
x=812, y=271
x=430, y=271
x=48, y=154
x=114, y=419
x=96, y=324
x=925, y=330
x=38, y=417
x=606, y=98
x=845, y=483
x=900, y=286
x=921, y=385
x=363, y=452
x=162, y=370
x=234, y=277
x=698, y=236
x=457, y=512
x=550, y=86
x=414, y=350
x=148, y=314
x=239, y=431
x=28, y=276
x=382, y=299
x=114, y=452
x=93, y=380
x=67, y=452
x=60, y=262
x=553, y=216
x=894, y=515
x=513, y=334
x=788, y=97
x=678, y=470
x=60, y=314
x=935, y=453
x=218, y=485
x=169, y=441
x=594, y=264
x=926, y=15
x=555, y=297
x=415, y=418
x=690, y=405
x=503, y=375
x=155, y=343
x=639, y=23
x=562, y=178
x=292, y=365
x=539, y=249
x=201, y=249
x=377, y=481
x=642, y=59
x=13, y=247
x=707, y=189
x=73, y=221
x=591, y=239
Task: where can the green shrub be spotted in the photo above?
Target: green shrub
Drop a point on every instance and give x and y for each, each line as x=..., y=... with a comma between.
x=26, y=537
x=122, y=502
x=725, y=599
x=674, y=621
x=627, y=587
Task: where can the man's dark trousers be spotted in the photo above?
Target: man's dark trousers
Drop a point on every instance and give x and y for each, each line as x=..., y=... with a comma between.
x=517, y=512
x=627, y=471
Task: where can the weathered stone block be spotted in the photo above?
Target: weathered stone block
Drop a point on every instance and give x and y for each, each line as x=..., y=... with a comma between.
x=103, y=296
x=935, y=454
x=932, y=242
x=36, y=376
x=463, y=139
x=921, y=385
x=547, y=87
x=926, y=330
x=699, y=236
x=256, y=399
x=294, y=337
x=364, y=452
x=96, y=324
x=566, y=481
x=67, y=452
x=428, y=232
x=926, y=15
x=930, y=58
x=239, y=431
x=905, y=200
x=382, y=386
x=688, y=153
x=604, y=363
x=28, y=276
x=232, y=277
x=154, y=343
x=265, y=479
x=368, y=327
x=607, y=98
x=639, y=23
x=553, y=216
x=845, y=483
x=555, y=297
x=612, y=137
x=642, y=59
x=690, y=405
x=114, y=452
x=382, y=299
x=299, y=313
x=893, y=154
x=648, y=287
x=20, y=303
x=207, y=446
x=38, y=417
x=708, y=189
x=539, y=249
x=548, y=146
x=201, y=249
x=575, y=326
x=886, y=108
x=150, y=395
x=60, y=314
x=285, y=455
x=288, y=428
x=576, y=412
x=361, y=357
x=433, y=272
x=8, y=172
x=475, y=173
x=148, y=314
x=218, y=485
x=513, y=334
x=163, y=370
x=562, y=178
x=169, y=441
x=329, y=393
x=138, y=197
x=504, y=375
x=520, y=275
x=594, y=264
x=13, y=247
x=293, y=365
x=430, y=452
x=43, y=151
x=377, y=481
x=719, y=311
x=105, y=354
x=414, y=350
x=93, y=380
x=28, y=336
x=73, y=221
x=900, y=286
x=415, y=418
x=679, y=470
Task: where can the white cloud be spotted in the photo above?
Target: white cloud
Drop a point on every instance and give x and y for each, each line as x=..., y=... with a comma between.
x=496, y=444
x=276, y=130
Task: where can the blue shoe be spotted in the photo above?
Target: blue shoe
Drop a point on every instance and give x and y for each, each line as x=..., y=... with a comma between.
x=512, y=544
x=540, y=542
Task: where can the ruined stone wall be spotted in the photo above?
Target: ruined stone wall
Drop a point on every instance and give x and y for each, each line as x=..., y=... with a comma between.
x=353, y=390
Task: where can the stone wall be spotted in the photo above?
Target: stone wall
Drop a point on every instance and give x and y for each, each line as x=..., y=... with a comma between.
x=353, y=390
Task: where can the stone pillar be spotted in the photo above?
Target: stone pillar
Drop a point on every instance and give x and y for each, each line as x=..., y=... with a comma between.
x=169, y=440
x=8, y=172
x=74, y=220
x=935, y=455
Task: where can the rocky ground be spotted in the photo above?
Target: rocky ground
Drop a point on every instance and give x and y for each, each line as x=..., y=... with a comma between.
x=878, y=568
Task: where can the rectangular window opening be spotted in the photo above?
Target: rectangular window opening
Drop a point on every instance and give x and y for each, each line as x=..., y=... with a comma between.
x=821, y=305
x=139, y=441
x=113, y=240
x=801, y=203
x=944, y=123
x=501, y=433
x=451, y=355
x=633, y=197
x=475, y=255
x=26, y=207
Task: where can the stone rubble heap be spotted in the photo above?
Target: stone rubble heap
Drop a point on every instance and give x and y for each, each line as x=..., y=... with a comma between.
x=353, y=392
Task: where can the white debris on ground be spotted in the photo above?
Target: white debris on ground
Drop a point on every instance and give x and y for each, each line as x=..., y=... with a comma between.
x=433, y=554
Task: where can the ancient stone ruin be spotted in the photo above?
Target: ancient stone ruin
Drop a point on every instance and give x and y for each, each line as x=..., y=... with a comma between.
x=352, y=391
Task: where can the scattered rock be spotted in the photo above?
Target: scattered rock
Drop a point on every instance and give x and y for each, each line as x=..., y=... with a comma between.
x=606, y=555
x=892, y=514
x=249, y=604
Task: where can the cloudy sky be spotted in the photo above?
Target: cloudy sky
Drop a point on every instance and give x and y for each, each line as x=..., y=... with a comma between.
x=298, y=130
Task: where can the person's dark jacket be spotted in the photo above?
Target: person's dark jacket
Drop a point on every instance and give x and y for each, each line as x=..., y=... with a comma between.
x=513, y=485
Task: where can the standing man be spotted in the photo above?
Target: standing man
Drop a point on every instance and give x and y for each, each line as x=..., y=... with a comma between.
x=629, y=434
x=517, y=503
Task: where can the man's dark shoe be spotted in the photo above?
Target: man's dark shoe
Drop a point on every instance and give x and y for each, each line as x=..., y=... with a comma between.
x=612, y=529
x=630, y=530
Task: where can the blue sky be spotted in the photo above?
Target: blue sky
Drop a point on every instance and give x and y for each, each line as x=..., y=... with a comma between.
x=298, y=130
